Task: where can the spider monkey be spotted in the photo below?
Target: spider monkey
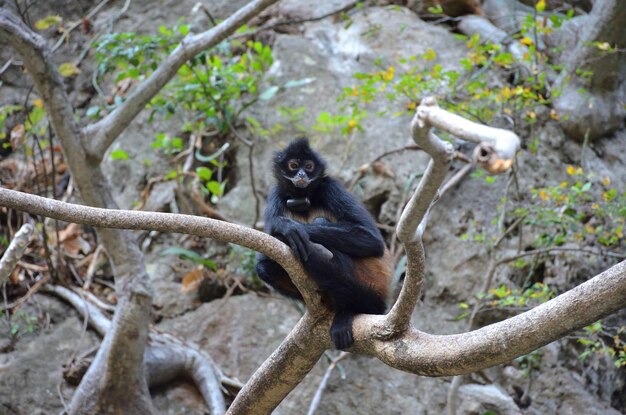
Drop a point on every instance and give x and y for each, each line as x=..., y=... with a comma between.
x=307, y=207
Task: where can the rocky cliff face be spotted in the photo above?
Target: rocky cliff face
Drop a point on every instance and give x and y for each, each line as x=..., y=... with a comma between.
x=241, y=331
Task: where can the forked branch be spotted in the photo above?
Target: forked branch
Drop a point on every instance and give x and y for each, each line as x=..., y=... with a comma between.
x=495, y=151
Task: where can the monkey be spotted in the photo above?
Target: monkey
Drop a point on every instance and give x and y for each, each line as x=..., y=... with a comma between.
x=307, y=208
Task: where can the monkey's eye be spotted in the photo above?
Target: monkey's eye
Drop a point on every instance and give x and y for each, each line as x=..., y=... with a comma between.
x=293, y=165
x=309, y=166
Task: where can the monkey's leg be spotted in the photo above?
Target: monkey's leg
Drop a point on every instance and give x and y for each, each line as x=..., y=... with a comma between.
x=349, y=297
x=275, y=276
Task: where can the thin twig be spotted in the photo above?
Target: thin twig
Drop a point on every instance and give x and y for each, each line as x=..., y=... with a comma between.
x=91, y=269
x=320, y=389
x=33, y=289
x=69, y=30
x=257, y=201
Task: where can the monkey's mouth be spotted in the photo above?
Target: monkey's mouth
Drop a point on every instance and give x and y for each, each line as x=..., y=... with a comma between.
x=300, y=182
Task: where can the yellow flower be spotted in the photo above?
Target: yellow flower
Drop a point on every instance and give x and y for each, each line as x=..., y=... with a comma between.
x=526, y=41
x=351, y=125
x=505, y=93
x=544, y=195
x=38, y=103
x=554, y=115
x=606, y=181
x=429, y=55
x=388, y=74
x=595, y=206
x=571, y=170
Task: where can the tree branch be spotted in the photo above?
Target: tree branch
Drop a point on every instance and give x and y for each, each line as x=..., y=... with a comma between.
x=105, y=131
x=286, y=367
x=15, y=251
x=446, y=355
x=496, y=149
x=168, y=222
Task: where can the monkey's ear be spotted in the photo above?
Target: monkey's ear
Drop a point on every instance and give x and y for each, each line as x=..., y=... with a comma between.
x=279, y=156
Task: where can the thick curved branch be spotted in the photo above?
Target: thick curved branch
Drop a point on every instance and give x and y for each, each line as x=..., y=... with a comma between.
x=285, y=368
x=446, y=355
x=105, y=131
x=168, y=222
x=399, y=317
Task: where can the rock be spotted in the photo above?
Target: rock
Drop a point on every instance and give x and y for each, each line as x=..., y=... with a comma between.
x=31, y=373
x=479, y=399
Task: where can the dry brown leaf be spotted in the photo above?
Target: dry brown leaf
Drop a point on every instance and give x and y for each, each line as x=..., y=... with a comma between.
x=71, y=231
x=72, y=241
x=191, y=281
x=76, y=245
x=17, y=135
x=383, y=170
x=123, y=86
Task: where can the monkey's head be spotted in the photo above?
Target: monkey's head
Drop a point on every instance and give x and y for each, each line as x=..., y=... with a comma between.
x=298, y=168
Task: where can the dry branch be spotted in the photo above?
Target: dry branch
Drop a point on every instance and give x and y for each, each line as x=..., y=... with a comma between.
x=445, y=355
x=15, y=251
x=167, y=222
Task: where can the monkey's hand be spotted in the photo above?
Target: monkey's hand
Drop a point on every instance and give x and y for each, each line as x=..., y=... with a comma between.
x=294, y=234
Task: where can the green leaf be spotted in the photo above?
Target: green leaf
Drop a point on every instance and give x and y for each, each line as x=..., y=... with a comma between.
x=204, y=173
x=540, y=6
x=171, y=175
x=183, y=30
x=269, y=93
x=214, y=187
x=68, y=69
x=48, y=22
x=299, y=82
x=119, y=154
x=186, y=253
x=93, y=112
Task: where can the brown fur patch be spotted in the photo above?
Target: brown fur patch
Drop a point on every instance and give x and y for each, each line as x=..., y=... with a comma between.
x=311, y=215
x=375, y=272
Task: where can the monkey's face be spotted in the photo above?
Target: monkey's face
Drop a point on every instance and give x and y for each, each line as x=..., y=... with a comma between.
x=300, y=172
x=298, y=166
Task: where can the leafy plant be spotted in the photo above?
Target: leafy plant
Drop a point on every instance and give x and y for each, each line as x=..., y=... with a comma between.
x=190, y=255
x=598, y=340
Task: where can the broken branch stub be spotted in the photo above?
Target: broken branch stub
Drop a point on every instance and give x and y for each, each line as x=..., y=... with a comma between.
x=496, y=147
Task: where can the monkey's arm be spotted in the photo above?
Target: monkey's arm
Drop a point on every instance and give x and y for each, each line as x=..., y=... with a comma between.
x=354, y=233
x=285, y=229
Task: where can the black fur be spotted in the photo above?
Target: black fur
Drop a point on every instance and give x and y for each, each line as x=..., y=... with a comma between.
x=353, y=235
